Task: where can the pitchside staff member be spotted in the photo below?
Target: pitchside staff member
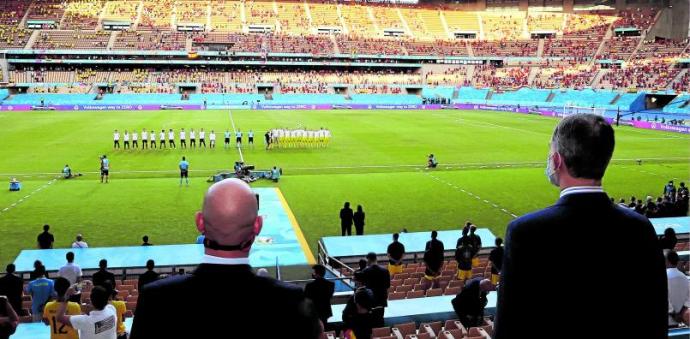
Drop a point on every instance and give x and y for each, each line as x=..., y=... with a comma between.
x=184, y=171
x=105, y=168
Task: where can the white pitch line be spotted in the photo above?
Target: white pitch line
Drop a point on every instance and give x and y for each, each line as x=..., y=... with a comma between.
x=239, y=148
x=472, y=195
x=27, y=196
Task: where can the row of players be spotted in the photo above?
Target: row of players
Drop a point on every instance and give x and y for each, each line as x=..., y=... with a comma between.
x=149, y=138
x=297, y=138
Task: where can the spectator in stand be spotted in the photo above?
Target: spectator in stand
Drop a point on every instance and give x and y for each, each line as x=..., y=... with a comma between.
x=362, y=264
x=45, y=240
x=346, y=216
x=476, y=245
x=464, y=251
x=678, y=291
x=37, y=271
x=396, y=252
x=230, y=220
x=669, y=239
x=102, y=276
x=58, y=329
x=99, y=323
x=145, y=240
x=581, y=148
x=670, y=190
x=357, y=314
x=682, y=190
x=79, y=242
x=11, y=286
x=8, y=318
x=378, y=280
x=433, y=259
x=149, y=276
x=120, y=309
x=470, y=302
x=496, y=259
x=41, y=290
x=70, y=271
x=320, y=291
x=358, y=219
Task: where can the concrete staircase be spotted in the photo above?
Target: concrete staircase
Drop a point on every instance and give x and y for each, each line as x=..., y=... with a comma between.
x=597, y=78
x=140, y=10
x=533, y=72
x=111, y=41
x=32, y=39
x=540, y=48
x=677, y=78
x=336, y=49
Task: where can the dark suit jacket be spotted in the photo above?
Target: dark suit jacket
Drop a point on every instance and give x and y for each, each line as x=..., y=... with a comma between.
x=222, y=301
x=99, y=278
x=346, y=216
x=562, y=269
x=320, y=292
x=378, y=280
x=12, y=286
x=470, y=301
x=147, y=277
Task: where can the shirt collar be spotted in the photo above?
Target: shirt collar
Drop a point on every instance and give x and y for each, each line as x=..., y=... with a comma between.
x=209, y=259
x=581, y=189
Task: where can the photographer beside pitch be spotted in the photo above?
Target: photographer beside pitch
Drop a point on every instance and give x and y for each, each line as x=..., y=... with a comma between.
x=573, y=244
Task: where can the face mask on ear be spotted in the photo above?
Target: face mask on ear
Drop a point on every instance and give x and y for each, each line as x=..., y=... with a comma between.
x=550, y=172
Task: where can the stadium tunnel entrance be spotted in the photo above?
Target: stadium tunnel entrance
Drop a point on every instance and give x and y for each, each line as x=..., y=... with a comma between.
x=657, y=101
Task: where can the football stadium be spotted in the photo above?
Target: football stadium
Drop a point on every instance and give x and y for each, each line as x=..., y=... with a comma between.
x=344, y=169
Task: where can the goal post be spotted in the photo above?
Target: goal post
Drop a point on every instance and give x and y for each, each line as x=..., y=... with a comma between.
x=570, y=109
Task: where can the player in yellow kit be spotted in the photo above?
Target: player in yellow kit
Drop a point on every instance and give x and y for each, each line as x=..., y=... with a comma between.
x=59, y=330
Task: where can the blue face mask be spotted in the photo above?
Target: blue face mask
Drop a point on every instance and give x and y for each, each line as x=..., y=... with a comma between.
x=550, y=172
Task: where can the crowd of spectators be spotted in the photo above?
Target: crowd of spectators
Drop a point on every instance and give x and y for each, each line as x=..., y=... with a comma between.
x=672, y=203
x=644, y=74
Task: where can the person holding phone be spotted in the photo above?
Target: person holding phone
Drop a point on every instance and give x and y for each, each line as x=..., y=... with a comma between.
x=59, y=330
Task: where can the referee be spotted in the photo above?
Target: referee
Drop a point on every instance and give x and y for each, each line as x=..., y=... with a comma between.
x=184, y=171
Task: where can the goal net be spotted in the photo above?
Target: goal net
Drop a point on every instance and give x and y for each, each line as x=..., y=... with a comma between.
x=570, y=109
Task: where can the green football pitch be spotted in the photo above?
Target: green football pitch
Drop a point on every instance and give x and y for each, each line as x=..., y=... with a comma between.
x=491, y=169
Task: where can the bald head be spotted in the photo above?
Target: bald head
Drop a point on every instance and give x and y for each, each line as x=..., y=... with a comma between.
x=229, y=215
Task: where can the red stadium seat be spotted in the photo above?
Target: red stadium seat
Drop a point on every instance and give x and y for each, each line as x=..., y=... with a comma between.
x=433, y=329
x=402, y=330
x=397, y=295
x=404, y=288
x=452, y=291
x=434, y=292
x=415, y=294
x=381, y=332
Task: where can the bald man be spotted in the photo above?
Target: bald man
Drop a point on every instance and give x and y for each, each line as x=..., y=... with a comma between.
x=223, y=295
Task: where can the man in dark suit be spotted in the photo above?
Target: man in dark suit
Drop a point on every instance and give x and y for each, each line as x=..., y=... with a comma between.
x=149, y=276
x=103, y=275
x=12, y=286
x=320, y=291
x=378, y=280
x=469, y=304
x=566, y=243
x=346, y=217
x=223, y=297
